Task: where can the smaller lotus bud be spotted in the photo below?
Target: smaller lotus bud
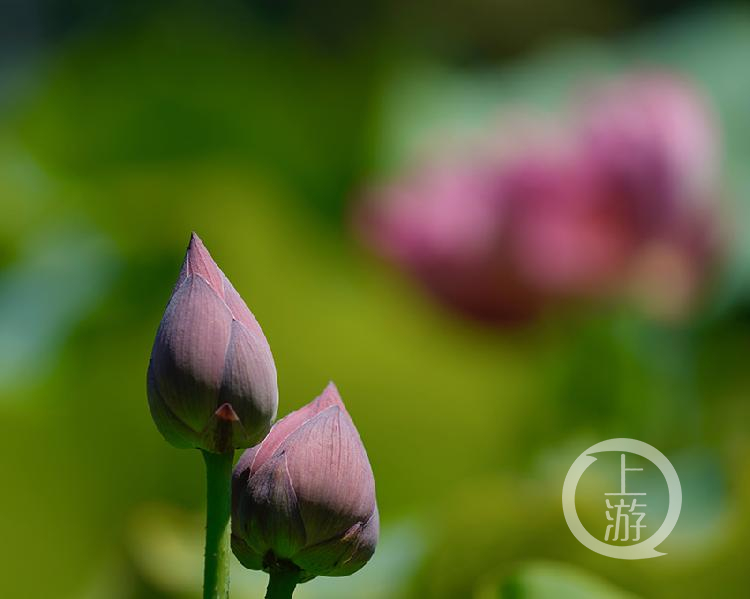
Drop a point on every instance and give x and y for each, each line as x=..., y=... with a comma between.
x=304, y=498
x=211, y=378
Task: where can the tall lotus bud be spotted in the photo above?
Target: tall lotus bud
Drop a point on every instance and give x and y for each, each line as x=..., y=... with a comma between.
x=211, y=378
x=304, y=498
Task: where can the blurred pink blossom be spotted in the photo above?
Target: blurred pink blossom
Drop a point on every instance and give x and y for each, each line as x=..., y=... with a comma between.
x=653, y=146
x=624, y=204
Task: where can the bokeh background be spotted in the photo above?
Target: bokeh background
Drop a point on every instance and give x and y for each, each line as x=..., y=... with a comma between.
x=349, y=165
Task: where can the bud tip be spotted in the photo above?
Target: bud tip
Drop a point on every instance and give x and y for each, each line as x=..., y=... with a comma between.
x=226, y=413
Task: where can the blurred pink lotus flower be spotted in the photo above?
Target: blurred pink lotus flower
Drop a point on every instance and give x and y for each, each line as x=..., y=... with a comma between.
x=651, y=138
x=445, y=225
x=211, y=377
x=652, y=146
x=304, y=498
x=624, y=204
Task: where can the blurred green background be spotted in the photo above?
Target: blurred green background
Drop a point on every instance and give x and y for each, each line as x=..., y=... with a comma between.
x=124, y=126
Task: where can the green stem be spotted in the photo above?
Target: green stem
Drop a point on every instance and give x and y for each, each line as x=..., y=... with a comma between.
x=218, y=510
x=282, y=583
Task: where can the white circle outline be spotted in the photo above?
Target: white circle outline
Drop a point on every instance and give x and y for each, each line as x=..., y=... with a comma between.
x=646, y=548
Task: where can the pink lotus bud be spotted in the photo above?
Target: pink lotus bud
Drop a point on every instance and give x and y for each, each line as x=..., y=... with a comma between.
x=211, y=378
x=305, y=496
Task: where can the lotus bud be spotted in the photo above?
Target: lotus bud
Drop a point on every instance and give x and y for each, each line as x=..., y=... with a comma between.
x=304, y=498
x=211, y=378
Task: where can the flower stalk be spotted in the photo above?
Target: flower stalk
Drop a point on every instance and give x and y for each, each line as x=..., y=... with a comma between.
x=218, y=510
x=282, y=583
